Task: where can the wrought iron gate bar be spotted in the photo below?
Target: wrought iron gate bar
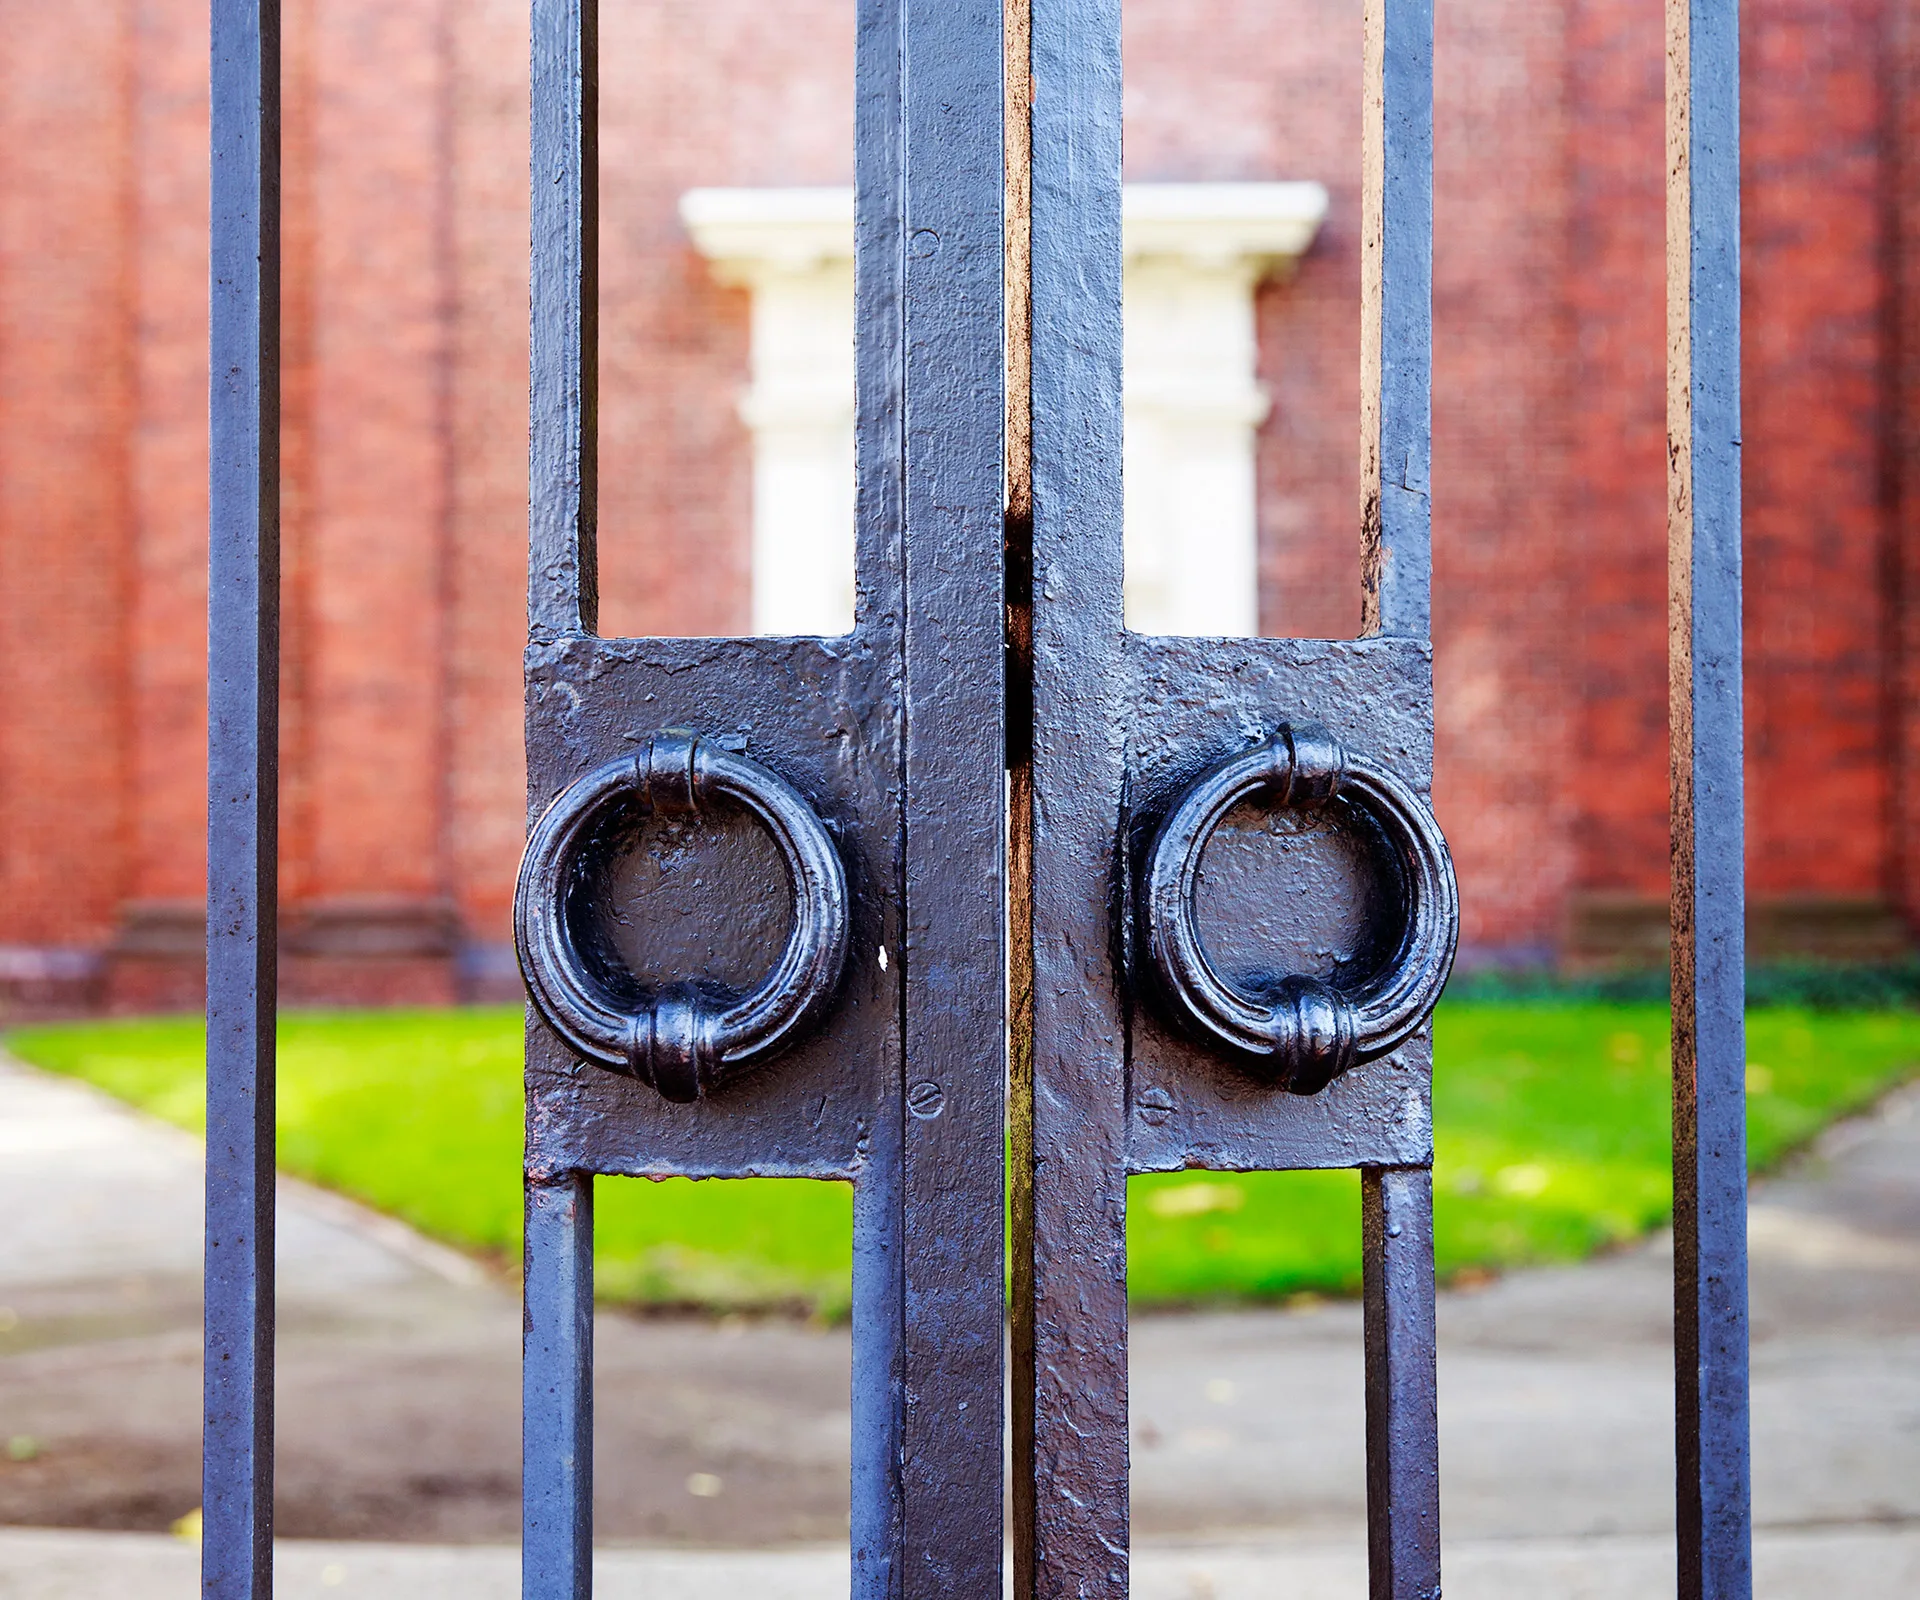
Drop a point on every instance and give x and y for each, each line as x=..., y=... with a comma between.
x=879, y=264
x=1122, y=727
x=984, y=642
x=1396, y=319
x=563, y=575
x=1709, y=854
x=243, y=665
x=953, y=1160
x=1396, y=586
x=1107, y=1082
x=1070, y=1164
x=1403, y=1445
x=891, y=737
x=556, y=1444
x=556, y=1495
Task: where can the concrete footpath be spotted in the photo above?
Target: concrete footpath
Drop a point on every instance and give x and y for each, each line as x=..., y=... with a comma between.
x=47, y=1564
x=721, y=1451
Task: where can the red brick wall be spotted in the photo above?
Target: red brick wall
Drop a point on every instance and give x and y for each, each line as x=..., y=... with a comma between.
x=1816, y=432
x=694, y=94
x=1616, y=527
x=487, y=572
x=167, y=647
x=1820, y=432
x=370, y=310
x=1504, y=674
x=405, y=496
x=65, y=402
x=1902, y=57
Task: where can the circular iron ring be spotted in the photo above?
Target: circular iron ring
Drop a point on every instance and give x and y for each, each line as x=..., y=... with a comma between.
x=1306, y=1032
x=683, y=1040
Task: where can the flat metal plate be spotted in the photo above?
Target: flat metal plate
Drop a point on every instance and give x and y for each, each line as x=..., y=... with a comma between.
x=1193, y=702
x=806, y=708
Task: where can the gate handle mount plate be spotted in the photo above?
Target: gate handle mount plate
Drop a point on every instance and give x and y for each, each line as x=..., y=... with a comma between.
x=684, y=1040
x=1305, y=1032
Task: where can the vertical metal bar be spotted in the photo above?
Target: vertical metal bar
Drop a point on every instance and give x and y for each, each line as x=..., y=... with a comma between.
x=1070, y=1483
x=562, y=599
x=1403, y=1443
x=1396, y=326
x=563, y=489
x=243, y=664
x=953, y=1193
x=1709, y=848
x=879, y=267
x=556, y=1507
x=1403, y=1417
x=876, y=1409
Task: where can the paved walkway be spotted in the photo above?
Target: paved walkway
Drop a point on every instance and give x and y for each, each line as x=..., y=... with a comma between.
x=1825, y=1564
x=398, y=1401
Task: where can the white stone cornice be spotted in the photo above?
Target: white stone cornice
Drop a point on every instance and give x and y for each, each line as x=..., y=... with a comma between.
x=1194, y=253
x=1250, y=227
x=748, y=233
x=1259, y=226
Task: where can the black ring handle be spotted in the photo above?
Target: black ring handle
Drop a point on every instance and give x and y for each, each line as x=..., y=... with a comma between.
x=684, y=1041
x=1307, y=1032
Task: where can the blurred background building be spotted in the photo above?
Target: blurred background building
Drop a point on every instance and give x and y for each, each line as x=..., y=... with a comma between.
x=725, y=439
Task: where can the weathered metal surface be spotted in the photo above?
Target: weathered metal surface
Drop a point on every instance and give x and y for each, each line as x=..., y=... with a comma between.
x=875, y=765
x=1022, y=1373
x=556, y=1538
x=953, y=1301
x=1221, y=851
x=876, y=1527
x=1396, y=374
x=1299, y=1030
x=243, y=665
x=691, y=1034
x=1709, y=855
x=562, y=601
x=1110, y=1077
x=1403, y=1412
x=1396, y=319
x=1207, y=700
x=1070, y=1481
x=563, y=443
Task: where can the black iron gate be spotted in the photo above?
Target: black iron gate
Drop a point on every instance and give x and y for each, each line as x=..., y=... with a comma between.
x=1142, y=1055
x=989, y=776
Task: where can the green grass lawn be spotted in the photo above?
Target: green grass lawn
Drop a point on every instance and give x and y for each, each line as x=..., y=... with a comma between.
x=1551, y=1129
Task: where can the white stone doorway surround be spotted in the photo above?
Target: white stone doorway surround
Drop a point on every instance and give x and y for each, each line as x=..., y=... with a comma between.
x=1195, y=252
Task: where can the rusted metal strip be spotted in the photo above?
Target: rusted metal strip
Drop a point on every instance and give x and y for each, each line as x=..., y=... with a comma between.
x=243, y=665
x=1403, y=1440
x=1396, y=319
x=1018, y=105
x=1709, y=850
